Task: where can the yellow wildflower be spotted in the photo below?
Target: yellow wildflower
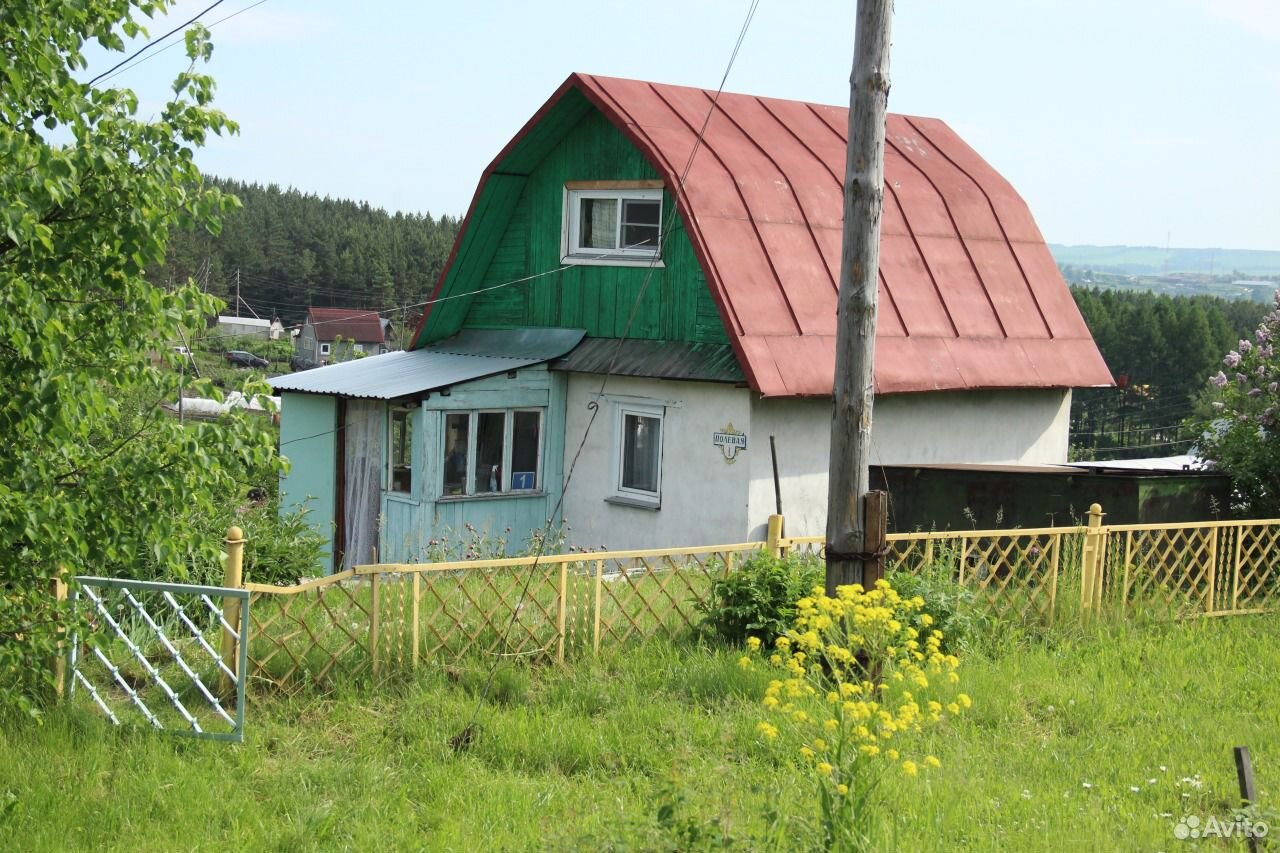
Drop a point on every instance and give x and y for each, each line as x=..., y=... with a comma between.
x=744, y=662
x=910, y=768
x=824, y=769
x=932, y=761
x=963, y=699
x=831, y=725
x=842, y=789
x=753, y=643
x=769, y=731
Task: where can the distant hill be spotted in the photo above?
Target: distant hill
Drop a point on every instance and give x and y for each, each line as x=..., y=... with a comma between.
x=1153, y=260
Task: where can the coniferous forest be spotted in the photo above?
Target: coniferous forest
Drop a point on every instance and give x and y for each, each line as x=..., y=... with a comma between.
x=291, y=249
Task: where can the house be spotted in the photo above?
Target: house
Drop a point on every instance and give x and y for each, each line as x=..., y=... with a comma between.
x=250, y=326
x=337, y=334
x=684, y=325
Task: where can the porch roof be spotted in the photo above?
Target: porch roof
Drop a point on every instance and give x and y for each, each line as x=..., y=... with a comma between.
x=470, y=354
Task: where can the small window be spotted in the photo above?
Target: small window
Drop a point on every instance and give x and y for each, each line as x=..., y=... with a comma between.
x=401, y=450
x=492, y=452
x=618, y=226
x=457, y=432
x=324, y=349
x=357, y=347
x=640, y=452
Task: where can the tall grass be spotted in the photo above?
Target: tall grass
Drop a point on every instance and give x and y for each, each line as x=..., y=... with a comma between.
x=653, y=747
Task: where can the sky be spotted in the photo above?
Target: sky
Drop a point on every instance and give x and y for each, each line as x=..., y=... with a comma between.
x=1123, y=122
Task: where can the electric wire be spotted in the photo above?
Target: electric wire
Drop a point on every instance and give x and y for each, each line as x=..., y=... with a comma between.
x=154, y=42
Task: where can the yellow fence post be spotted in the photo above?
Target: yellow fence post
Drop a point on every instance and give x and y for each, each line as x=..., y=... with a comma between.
x=60, y=656
x=1091, y=561
x=232, y=577
x=561, y=606
x=1214, y=541
x=774, y=544
x=1053, y=577
x=595, y=622
x=1235, y=568
x=374, y=621
x=417, y=597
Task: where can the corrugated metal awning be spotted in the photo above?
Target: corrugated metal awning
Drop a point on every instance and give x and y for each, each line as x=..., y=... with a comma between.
x=703, y=362
x=470, y=354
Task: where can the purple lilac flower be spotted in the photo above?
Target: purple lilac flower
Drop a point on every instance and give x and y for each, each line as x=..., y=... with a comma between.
x=1255, y=392
x=1245, y=345
x=1232, y=359
x=1262, y=335
x=1241, y=379
x=1273, y=387
x=1219, y=380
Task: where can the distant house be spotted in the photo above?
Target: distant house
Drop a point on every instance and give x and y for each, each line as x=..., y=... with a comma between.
x=712, y=307
x=250, y=327
x=335, y=334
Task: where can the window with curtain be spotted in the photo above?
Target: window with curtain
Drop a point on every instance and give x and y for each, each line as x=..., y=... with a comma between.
x=622, y=226
x=639, y=447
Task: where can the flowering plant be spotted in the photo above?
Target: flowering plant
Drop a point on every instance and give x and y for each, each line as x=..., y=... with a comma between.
x=1242, y=435
x=858, y=682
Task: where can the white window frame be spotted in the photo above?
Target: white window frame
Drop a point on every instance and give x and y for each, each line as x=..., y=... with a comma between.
x=647, y=410
x=324, y=349
x=508, y=437
x=570, y=253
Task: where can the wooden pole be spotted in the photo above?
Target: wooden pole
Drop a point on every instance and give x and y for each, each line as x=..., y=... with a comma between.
x=854, y=388
x=1248, y=793
x=232, y=575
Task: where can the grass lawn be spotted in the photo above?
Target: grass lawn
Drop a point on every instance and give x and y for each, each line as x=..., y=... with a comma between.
x=1092, y=740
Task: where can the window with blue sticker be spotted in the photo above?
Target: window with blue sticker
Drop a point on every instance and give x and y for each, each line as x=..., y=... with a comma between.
x=492, y=451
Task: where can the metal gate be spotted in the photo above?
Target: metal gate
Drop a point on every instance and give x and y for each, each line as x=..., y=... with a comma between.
x=163, y=654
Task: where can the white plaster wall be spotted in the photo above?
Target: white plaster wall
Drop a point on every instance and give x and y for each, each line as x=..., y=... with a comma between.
x=704, y=499
x=1027, y=427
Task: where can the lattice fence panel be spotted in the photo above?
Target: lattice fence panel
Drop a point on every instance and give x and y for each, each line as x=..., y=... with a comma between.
x=645, y=597
x=1175, y=567
x=466, y=611
x=1256, y=560
x=313, y=636
x=1014, y=576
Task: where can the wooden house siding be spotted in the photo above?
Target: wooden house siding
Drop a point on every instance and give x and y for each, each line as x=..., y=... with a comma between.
x=517, y=233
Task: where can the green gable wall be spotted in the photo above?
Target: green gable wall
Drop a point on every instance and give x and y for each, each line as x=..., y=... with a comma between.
x=515, y=232
x=308, y=438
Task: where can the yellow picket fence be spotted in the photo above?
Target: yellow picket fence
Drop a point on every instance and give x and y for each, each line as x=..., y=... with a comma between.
x=380, y=618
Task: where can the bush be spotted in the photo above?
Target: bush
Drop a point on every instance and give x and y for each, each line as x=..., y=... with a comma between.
x=949, y=604
x=759, y=599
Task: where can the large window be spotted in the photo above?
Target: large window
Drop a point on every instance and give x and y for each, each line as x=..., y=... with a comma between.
x=617, y=226
x=401, y=478
x=639, y=447
x=492, y=452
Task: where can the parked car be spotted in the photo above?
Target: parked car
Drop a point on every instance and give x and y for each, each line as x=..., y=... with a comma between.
x=182, y=351
x=240, y=358
x=301, y=362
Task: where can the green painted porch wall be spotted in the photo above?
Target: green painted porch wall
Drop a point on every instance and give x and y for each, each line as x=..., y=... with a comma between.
x=517, y=225
x=308, y=438
x=410, y=522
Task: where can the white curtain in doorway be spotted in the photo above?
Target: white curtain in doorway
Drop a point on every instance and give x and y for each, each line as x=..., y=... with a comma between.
x=364, y=437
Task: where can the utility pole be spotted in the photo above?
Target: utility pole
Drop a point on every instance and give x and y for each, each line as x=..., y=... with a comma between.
x=848, y=534
x=237, y=291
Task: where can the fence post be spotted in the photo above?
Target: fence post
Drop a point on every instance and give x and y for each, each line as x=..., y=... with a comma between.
x=1091, y=562
x=595, y=622
x=232, y=576
x=1215, y=541
x=561, y=605
x=417, y=597
x=60, y=656
x=373, y=621
x=1235, y=569
x=774, y=544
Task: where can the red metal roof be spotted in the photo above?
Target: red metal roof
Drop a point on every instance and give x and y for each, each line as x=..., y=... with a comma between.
x=970, y=296
x=354, y=324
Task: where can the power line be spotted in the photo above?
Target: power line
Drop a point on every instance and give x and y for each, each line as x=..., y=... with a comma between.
x=108, y=75
x=154, y=42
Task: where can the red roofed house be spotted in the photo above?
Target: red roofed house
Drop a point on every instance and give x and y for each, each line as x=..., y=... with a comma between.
x=690, y=323
x=335, y=334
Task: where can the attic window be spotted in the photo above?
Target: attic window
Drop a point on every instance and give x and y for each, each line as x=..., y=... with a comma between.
x=612, y=223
